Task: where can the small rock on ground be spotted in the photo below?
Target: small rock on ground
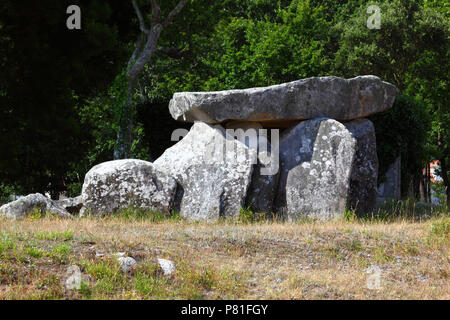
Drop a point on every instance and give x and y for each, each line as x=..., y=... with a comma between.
x=126, y=263
x=167, y=266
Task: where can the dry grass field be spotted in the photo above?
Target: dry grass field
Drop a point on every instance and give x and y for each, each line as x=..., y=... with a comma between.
x=227, y=260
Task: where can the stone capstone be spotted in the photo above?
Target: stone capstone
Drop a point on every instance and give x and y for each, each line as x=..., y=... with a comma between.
x=332, y=97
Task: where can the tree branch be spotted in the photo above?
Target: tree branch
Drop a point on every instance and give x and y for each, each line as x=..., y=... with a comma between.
x=137, y=51
x=156, y=12
x=174, y=12
x=140, y=17
x=147, y=51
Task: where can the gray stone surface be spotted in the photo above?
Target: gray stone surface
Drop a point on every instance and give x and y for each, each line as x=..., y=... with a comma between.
x=126, y=264
x=72, y=205
x=264, y=183
x=364, y=174
x=332, y=97
x=167, y=266
x=316, y=160
x=73, y=282
x=119, y=184
x=20, y=208
x=213, y=172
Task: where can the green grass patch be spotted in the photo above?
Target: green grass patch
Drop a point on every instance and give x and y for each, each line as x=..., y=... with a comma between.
x=34, y=252
x=137, y=214
x=6, y=244
x=439, y=231
x=108, y=278
x=52, y=235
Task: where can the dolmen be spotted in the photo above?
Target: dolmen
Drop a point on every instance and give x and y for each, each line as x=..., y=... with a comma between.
x=298, y=149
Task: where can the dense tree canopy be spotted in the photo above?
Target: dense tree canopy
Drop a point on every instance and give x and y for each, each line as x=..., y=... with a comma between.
x=410, y=50
x=62, y=91
x=46, y=70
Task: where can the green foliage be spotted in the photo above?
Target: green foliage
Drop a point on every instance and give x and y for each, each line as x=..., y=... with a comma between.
x=104, y=115
x=247, y=215
x=401, y=131
x=5, y=192
x=441, y=227
x=387, y=52
x=53, y=235
x=34, y=252
x=438, y=191
x=439, y=231
x=349, y=215
x=264, y=52
x=410, y=50
x=6, y=244
x=74, y=189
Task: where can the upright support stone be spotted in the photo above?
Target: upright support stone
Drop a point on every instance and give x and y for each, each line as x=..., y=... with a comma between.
x=264, y=185
x=120, y=184
x=213, y=172
x=364, y=172
x=316, y=161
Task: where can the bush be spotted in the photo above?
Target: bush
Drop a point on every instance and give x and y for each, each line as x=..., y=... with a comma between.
x=402, y=131
x=5, y=193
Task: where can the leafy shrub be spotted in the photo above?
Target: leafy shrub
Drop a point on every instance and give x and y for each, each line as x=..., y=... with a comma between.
x=402, y=131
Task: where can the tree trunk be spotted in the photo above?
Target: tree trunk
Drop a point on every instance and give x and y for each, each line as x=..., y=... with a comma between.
x=444, y=169
x=444, y=166
x=146, y=46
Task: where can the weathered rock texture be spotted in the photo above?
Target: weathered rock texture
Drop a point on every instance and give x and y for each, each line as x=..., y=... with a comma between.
x=316, y=161
x=72, y=205
x=127, y=264
x=119, y=184
x=364, y=172
x=167, y=266
x=332, y=97
x=20, y=208
x=73, y=282
x=213, y=172
x=264, y=183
